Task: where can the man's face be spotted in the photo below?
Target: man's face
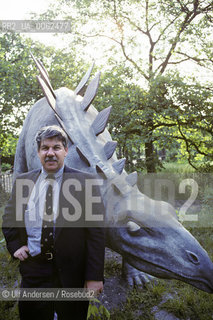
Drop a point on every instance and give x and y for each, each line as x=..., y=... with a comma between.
x=52, y=154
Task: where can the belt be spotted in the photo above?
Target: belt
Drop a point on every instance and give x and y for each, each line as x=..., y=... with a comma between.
x=48, y=255
x=44, y=256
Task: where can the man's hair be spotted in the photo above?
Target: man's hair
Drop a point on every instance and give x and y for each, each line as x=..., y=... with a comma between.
x=50, y=132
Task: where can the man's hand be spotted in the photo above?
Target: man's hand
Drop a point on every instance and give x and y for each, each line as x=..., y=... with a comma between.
x=21, y=253
x=97, y=286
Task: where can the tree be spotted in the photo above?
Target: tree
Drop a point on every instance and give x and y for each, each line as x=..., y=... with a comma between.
x=181, y=114
x=153, y=38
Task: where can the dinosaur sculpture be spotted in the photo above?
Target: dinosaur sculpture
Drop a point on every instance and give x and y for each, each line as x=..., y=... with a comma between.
x=145, y=232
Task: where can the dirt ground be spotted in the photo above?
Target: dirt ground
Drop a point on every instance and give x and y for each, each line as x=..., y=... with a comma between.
x=115, y=288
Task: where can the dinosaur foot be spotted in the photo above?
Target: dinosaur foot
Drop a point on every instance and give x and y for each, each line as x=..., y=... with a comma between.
x=135, y=277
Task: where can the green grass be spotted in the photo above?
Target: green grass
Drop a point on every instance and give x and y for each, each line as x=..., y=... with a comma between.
x=175, y=167
x=112, y=268
x=184, y=302
x=140, y=303
x=190, y=303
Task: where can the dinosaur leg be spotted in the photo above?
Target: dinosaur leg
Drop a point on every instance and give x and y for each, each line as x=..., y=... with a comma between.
x=135, y=277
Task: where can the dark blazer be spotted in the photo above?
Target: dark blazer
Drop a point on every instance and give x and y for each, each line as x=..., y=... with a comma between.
x=78, y=249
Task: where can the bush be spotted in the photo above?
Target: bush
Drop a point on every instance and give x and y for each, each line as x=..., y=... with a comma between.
x=206, y=167
x=5, y=167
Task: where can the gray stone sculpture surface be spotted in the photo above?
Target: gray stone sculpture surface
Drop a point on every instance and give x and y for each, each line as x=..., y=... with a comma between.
x=145, y=232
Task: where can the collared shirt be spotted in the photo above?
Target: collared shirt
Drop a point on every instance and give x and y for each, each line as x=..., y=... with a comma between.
x=35, y=208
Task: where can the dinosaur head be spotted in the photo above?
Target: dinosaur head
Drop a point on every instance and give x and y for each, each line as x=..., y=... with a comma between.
x=149, y=236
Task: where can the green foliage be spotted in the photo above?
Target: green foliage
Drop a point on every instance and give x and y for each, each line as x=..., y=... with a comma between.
x=206, y=167
x=178, y=168
x=8, y=145
x=17, y=86
x=169, y=116
x=9, y=310
x=112, y=267
x=123, y=125
x=207, y=196
x=5, y=166
x=205, y=215
x=97, y=311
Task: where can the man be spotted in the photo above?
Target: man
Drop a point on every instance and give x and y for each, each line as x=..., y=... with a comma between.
x=61, y=251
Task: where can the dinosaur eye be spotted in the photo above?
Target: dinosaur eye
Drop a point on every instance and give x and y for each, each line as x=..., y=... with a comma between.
x=192, y=257
x=132, y=226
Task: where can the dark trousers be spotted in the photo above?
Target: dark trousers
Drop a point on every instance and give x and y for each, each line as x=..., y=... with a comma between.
x=44, y=310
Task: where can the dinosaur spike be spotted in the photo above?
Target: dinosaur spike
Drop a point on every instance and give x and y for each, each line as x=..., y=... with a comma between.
x=82, y=156
x=100, y=122
x=63, y=127
x=120, y=188
x=132, y=178
x=90, y=92
x=109, y=148
x=99, y=170
x=82, y=85
x=43, y=67
x=43, y=73
x=117, y=189
x=47, y=92
x=119, y=165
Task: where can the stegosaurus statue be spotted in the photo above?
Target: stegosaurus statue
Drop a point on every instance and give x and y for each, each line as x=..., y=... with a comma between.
x=145, y=232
